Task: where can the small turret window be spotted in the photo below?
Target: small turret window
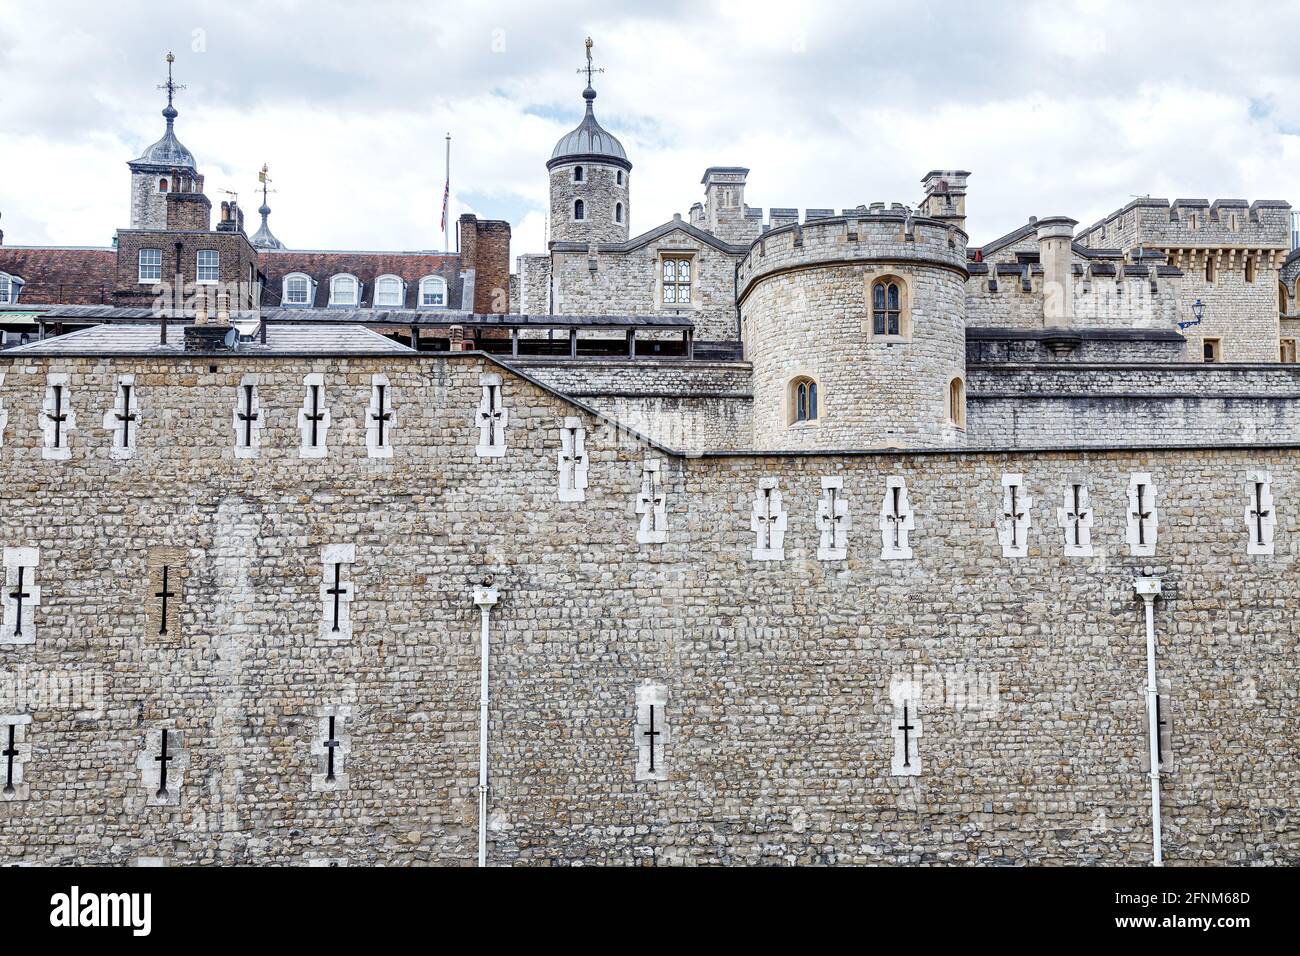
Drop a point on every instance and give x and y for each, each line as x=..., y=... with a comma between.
x=802, y=401
x=578, y=174
x=618, y=212
x=619, y=177
x=162, y=185
x=957, y=402
x=579, y=210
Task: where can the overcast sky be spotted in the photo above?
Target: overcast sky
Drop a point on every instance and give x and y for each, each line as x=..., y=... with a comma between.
x=1056, y=108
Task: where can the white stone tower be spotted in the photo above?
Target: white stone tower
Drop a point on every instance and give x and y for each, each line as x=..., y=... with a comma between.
x=855, y=326
x=590, y=180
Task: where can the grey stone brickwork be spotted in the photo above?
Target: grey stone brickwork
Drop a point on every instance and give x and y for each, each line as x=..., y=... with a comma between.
x=804, y=298
x=1056, y=405
x=778, y=676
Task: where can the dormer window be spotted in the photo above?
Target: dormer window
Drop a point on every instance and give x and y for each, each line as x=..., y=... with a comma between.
x=578, y=174
x=299, y=290
x=345, y=290
x=433, y=292
x=10, y=288
x=579, y=210
x=390, y=292
x=150, y=269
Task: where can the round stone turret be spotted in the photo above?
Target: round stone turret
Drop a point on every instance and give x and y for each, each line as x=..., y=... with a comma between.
x=855, y=326
x=590, y=183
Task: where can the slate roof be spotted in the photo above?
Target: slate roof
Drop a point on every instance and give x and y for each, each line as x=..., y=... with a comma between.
x=138, y=339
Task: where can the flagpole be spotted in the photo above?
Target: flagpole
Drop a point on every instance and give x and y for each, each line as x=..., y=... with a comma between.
x=446, y=202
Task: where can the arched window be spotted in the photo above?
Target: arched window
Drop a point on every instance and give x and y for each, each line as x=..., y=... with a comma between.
x=1282, y=298
x=433, y=292
x=578, y=173
x=618, y=212
x=345, y=290
x=620, y=177
x=163, y=185
x=390, y=292
x=886, y=307
x=297, y=290
x=579, y=210
x=957, y=402
x=802, y=400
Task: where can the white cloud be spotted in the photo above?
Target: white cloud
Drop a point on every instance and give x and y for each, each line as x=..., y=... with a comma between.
x=1056, y=109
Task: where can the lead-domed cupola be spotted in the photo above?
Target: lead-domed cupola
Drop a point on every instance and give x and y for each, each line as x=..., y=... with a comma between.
x=589, y=141
x=168, y=152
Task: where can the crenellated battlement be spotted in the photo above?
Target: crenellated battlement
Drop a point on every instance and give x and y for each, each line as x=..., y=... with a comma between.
x=1193, y=223
x=864, y=234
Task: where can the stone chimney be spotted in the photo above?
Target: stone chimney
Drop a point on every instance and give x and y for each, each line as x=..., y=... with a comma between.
x=945, y=196
x=1055, y=237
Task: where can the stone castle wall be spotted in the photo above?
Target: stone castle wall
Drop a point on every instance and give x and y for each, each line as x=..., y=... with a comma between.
x=629, y=283
x=690, y=406
x=775, y=675
x=1061, y=405
x=805, y=305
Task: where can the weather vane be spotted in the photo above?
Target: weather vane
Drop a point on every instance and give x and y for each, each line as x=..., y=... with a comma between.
x=589, y=69
x=264, y=177
x=170, y=86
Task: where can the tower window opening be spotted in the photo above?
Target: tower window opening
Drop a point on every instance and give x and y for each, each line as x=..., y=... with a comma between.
x=578, y=174
x=957, y=402
x=618, y=212
x=886, y=308
x=579, y=210
x=163, y=185
x=803, y=400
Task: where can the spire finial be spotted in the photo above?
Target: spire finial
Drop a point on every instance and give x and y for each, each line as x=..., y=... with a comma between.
x=169, y=113
x=589, y=93
x=264, y=177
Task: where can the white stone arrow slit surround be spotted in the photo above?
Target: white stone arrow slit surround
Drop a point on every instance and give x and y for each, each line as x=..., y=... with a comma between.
x=491, y=418
x=1014, y=519
x=123, y=419
x=650, y=732
x=21, y=596
x=1261, y=516
x=162, y=763
x=1143, y=518
x=768, y=521
x=896, y=521
x=247, y=417
x=313, y=418
x=652, y=505
x=337, y=591
x=573, y=460
x=57, y=418
x=1075, y=518
x=331, y=746
x=833, y=521
x=381, y=419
